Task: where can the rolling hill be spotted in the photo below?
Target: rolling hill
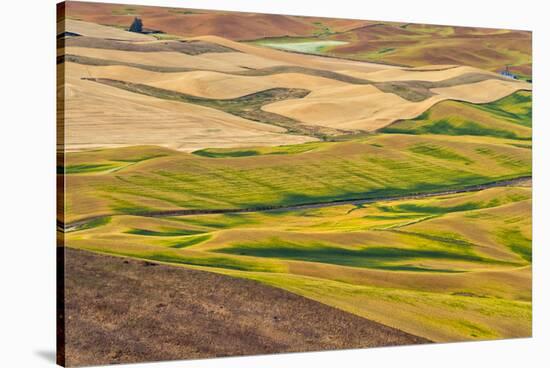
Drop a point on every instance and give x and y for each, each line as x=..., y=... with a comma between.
x=353, y=167
x=258, y=94
x=388, y=42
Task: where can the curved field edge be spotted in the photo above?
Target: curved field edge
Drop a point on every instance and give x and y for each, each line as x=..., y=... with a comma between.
x=290, y=116
x=163, y=308
x=410, y=90
x=373, y=167
x=464, y=231
x=429, y=315
x=443, y=307
x=247, y=107
x=399, y=43
x=85, y=223
x=509, y=117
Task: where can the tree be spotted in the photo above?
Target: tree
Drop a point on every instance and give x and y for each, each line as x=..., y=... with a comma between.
x=137, y=25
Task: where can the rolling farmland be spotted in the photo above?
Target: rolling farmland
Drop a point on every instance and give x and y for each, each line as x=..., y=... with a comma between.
x=351, y=173
x=403, y=44
x=470, y=249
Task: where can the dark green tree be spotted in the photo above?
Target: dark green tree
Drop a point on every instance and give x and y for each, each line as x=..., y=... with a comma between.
x=137, y=25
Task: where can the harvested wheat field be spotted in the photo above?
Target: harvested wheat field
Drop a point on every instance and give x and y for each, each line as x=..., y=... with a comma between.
x=336, y=101
x=363, y=108
x=128, y=120
x=431, y=73
x=99, y=31
x=228, y=62
x=210, y=84
x=481, y=92
x=333, y=64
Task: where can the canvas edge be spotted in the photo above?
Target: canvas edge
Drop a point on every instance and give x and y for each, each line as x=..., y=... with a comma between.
x=60, y=190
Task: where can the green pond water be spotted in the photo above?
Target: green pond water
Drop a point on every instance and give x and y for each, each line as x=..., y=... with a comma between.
x=310, y=47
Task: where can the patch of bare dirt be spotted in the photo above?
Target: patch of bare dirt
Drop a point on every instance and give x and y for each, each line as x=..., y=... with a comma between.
x=121, y=310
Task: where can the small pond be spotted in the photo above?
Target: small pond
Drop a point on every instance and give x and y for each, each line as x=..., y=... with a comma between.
x=309, y=47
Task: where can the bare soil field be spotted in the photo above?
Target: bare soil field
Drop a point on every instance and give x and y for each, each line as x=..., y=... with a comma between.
x=193, y=314
x=189, y=22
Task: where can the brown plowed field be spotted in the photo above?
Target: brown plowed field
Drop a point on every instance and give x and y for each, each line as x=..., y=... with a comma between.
x=115, y=307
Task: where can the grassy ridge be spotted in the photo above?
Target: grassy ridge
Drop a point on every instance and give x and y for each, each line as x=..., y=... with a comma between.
x=509, y=117
x=373, y=167
x=256, y=151
x=86, y=168
x=516, y=108
x=381, y=257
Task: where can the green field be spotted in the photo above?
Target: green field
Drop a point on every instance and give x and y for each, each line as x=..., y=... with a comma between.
x=451, y=261
x=509, y=117
x=371, y=167
x=456, y=267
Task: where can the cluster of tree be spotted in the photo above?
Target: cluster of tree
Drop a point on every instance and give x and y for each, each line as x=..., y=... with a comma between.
x=137, y=25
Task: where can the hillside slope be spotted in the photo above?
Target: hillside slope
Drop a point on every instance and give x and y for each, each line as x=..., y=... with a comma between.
x=190, y=315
